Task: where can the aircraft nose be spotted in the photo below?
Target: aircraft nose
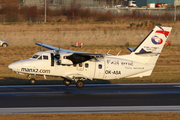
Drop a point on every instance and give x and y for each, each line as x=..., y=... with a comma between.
x=14, y=66
x=11, y=66
x=18, y=65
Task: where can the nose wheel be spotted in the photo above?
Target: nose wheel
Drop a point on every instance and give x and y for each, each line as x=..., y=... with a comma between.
x=32, y=81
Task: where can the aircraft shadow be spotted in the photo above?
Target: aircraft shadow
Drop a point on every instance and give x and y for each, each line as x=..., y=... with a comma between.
x=18, y=81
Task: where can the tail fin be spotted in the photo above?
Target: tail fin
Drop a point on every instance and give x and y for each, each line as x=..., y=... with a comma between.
x=149, y=49
x=154, y=42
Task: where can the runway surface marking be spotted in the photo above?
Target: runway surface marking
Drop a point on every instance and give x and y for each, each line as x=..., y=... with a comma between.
x=82, y=110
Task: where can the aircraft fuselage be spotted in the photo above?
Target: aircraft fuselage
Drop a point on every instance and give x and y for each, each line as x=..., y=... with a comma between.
x=109, y=67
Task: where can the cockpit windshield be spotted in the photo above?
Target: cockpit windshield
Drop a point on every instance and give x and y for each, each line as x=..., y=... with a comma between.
x=40, y=57
x=35, y=56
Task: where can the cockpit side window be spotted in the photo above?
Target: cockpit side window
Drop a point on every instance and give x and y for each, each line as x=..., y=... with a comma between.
x=40, y=58
x=45, y=57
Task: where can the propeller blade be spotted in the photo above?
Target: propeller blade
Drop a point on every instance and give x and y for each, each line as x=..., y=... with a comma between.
x=57, y=56
x=59, y=50
x=41, y=45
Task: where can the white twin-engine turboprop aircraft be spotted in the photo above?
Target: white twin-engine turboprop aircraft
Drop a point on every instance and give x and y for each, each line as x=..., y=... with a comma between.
x=80, y=66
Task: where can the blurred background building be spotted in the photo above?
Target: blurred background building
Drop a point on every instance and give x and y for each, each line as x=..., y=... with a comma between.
x=93, y=3
x=141, y=3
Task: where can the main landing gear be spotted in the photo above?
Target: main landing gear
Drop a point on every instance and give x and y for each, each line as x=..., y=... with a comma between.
x=79, y=83
x=66, y=82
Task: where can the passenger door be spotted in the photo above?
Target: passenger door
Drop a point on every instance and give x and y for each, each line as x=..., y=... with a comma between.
x=99, y=70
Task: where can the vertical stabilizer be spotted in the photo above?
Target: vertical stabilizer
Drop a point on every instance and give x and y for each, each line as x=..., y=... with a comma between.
x=148, y=51
x=155, y=41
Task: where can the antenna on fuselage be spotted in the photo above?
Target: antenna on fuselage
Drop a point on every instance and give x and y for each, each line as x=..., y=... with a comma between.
x=119, y=52
x=108, y=52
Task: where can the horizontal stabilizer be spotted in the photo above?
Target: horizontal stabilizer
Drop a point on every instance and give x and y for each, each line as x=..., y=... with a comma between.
x=131, y=49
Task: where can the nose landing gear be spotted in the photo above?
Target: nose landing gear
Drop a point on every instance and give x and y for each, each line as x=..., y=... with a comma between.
x=32, y=81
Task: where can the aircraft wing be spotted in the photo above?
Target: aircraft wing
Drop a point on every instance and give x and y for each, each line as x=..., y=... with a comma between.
x=75, y=53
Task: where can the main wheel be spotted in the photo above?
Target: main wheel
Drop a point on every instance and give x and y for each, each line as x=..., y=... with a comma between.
x=66, y=82
x=32, y=81
x=4, y=45
x=79, y=84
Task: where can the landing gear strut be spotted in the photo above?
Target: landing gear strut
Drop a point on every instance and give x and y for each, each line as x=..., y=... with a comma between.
x=32, y=81
x=79, y=84
x=66, y=82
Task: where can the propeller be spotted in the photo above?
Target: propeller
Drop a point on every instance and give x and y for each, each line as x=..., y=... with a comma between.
x=41, y=46
x=57, y=56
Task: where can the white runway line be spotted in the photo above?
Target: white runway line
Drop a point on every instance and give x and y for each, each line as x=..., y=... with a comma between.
x=143, y=84
x=79, y=110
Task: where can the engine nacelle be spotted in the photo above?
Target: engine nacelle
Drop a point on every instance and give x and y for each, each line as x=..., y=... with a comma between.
x=66, y=62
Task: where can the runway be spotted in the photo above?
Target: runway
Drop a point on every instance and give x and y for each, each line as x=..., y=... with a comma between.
x=92, y=98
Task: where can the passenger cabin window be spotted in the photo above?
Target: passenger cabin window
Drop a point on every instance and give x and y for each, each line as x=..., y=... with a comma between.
x=80, y=64
x=45, y=57
x=100, y=66
x=86, y=65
